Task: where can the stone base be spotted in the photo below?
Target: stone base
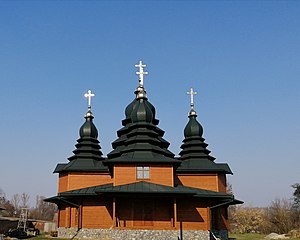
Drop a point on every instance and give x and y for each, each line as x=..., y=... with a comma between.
x=118, y=234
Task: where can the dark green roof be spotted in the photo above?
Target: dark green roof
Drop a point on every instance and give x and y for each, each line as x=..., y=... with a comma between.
x=81, y=165
x=195, y=156
x=193, y=128
x=87, y=155
x=143, y=187
x=59, y=167
x=203, y=166
x=140, y=140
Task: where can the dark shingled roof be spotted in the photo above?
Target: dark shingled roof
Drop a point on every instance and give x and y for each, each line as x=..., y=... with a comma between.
x=195, y=156
x=140, y=140
x=143, y=187
x=203, y=166
x=81, y=165
x=87, y=155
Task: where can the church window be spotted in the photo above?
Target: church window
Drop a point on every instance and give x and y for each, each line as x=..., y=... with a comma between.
x=143, y=172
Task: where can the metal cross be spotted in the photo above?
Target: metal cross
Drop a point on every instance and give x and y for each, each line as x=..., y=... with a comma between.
x=89, y=96
x=192, y=93
x=141, y=72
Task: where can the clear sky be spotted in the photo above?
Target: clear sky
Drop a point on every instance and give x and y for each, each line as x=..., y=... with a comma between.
x=242, y=57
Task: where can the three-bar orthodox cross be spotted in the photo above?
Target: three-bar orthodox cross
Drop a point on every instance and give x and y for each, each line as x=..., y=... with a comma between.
x=192, y=93
x=141, y=72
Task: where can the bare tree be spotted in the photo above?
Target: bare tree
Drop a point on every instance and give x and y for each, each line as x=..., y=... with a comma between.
x=24, y=199
x=296, y=195
x=280, y=216
x=4, y=203
x=246, y=219
x=15, y=201
x=2, y=197
x=43, y=210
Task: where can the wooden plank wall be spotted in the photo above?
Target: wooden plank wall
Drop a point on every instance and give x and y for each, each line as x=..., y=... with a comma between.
x=131, y=213
x=97, y=213
x=203, y=181
x=62, y=217
x=125, y=174
x=222, y=183
x=192, y=215
x=62, y=182
x=71, y=181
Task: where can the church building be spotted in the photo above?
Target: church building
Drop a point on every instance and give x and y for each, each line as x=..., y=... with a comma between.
x=141, y=190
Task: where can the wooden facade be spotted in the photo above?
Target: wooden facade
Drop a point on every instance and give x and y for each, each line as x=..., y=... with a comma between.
x=143, y=212
x=141, y=184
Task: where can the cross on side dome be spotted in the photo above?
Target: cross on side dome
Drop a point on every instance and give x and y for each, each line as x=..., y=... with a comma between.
x=89, y=96
x=192, y=93
x=141, y=72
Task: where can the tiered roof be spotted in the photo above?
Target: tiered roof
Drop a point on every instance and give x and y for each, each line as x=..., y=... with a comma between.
x=195, y=156
x=140, y=140
x=87, y=155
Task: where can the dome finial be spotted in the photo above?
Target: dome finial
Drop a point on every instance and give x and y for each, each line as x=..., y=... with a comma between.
x=140, y=90
x=141, y=73
x=192, y=93
x=89, y=96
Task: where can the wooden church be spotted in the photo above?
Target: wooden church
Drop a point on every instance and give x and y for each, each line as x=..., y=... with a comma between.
x=141, y=190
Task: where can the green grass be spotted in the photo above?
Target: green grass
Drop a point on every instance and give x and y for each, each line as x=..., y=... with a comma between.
x=251, y=236
x=247, y=236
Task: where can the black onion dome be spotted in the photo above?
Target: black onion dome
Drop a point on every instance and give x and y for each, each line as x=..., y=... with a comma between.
x=195, y=156
x=88, y=129
x=140, y=94
x=193, y=128
x=129, y=108
x=152, y=108
x=142, y=112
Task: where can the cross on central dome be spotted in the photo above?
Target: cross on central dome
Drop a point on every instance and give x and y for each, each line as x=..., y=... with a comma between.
x=141, y=72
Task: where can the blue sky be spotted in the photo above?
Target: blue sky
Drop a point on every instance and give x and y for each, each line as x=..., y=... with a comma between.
x=242, y=57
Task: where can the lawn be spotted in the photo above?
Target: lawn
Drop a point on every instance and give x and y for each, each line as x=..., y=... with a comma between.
x=251, y=236
x=247, y=236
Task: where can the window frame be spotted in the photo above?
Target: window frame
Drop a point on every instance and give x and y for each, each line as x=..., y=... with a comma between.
x=143, y=172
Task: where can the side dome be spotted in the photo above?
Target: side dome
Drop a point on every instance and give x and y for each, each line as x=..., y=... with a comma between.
x=88, y=129
x=193, y=128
